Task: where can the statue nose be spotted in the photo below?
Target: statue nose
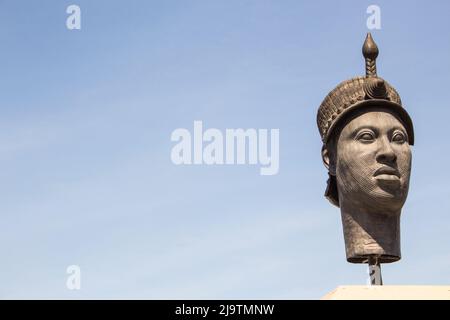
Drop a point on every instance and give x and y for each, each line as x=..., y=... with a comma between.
x=386, y=154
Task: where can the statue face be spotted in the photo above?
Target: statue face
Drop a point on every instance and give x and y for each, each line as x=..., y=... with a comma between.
x=373, y=162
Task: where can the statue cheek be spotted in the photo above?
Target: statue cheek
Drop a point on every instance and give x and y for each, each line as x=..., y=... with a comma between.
x=356, y=158
x=404, y=163
x=363, y=158
x=355, y=169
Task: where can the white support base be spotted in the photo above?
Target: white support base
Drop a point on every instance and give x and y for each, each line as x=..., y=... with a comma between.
x=389, y=293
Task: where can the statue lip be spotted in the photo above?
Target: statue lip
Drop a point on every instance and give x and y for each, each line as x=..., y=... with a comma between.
x=385, y=170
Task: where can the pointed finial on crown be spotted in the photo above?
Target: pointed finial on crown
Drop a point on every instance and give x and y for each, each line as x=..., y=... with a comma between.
x=370, y=53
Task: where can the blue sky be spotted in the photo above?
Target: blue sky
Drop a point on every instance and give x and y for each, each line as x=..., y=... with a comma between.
x=85, y=124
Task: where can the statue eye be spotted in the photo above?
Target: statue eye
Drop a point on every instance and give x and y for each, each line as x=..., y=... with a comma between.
x=366, y=136
x=399, y=137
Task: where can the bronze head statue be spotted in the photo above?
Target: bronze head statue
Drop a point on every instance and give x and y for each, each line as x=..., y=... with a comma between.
x=366, y=135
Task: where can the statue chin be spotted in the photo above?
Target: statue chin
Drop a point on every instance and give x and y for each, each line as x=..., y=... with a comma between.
x=377, y=202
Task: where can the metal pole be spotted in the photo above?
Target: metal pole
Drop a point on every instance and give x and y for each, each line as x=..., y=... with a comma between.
x=375, y=271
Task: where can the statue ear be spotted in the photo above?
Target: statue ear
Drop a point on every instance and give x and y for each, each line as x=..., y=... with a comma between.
x=328, y=160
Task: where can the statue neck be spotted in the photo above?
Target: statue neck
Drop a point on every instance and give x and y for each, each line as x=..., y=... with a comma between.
x=370, y=233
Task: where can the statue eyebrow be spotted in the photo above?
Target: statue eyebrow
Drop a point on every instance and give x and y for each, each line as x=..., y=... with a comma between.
x=362, y=127
x=402, y=129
